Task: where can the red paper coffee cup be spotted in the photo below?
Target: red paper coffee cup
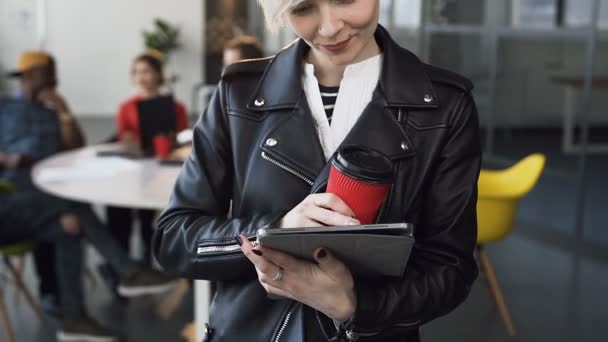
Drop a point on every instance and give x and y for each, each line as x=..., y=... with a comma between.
x=162, y=146
x=361, y=177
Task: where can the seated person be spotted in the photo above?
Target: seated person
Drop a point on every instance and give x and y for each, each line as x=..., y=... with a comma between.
x=147, y=76
x=44, y=252
x=29, y=131
x=240, y=48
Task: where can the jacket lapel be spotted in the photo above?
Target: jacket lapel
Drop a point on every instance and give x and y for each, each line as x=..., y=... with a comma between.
x=377, y=128
x=294, y=142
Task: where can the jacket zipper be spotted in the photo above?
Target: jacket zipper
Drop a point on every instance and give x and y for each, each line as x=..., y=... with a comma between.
x=285, y=322
x=381, y=212
x=221, y=249
x=383, y=206
x=354, y=336
x=288, y=169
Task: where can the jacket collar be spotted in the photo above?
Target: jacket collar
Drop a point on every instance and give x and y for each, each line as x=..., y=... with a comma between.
x=403, y=79
x=281, y=85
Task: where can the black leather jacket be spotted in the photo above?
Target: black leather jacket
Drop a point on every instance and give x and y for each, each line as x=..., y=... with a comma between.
x=422, y=117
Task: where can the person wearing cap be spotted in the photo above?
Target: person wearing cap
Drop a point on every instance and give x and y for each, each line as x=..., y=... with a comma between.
x=32, y=128
x=72, y=137
x=262, y=151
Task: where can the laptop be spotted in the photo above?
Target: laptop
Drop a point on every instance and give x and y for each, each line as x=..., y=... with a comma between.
x=156, y=116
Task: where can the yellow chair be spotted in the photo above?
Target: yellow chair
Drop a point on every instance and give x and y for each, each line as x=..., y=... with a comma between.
x=18, y=250
x=498, y=199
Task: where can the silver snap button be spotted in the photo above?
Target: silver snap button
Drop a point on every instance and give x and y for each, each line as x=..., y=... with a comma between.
x=428, y=98
x=404, y=146
x=259, y=102
x=271, y=142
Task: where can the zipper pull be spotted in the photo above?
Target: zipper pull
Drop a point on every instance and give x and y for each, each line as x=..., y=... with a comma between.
x=351, y=335
x=207, y=333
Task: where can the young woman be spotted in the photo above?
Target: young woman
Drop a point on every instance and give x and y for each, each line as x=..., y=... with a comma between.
x=263, y=144
x=147, y=76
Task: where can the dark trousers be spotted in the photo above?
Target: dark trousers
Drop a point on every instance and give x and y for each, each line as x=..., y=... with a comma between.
x=120, y=223
x=46, y=268
x=33, y=215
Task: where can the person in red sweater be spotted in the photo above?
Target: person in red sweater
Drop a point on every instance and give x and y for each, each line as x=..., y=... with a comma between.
x=147, y=76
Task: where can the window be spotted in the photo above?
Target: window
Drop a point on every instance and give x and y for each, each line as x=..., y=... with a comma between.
x=578, y=13
x=405, y=14
x=551, y=13
x=534, y=13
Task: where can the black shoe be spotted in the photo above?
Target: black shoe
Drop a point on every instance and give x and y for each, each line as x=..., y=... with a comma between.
x=50, y=305
x=145, y=282
x=111, y=279
x=84, y=330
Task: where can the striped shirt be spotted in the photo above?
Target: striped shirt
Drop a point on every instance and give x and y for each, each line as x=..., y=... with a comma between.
x=329, y=96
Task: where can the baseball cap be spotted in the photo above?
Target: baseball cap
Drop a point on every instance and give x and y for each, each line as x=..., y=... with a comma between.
x=30, y=60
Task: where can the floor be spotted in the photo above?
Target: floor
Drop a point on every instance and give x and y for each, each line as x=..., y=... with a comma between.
x=554, y=282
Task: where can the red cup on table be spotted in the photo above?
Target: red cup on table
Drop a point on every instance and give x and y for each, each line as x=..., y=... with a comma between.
x=162, y=146
x=362, y=177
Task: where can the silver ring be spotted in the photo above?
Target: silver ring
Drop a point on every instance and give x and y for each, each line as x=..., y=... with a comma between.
x=279, y=275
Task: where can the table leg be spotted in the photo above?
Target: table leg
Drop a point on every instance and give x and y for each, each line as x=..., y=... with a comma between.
x=202, y=300
x=569, y=122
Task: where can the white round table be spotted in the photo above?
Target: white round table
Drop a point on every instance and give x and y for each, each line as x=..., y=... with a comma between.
x=82, y=175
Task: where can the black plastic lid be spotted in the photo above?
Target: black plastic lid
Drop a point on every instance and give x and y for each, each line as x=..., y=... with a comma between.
x=365, y=164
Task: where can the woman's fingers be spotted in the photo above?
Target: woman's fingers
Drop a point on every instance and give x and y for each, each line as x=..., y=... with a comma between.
x=333, y=267
x=281, y=259
x=333, y=203
x=256, y=257
x=276, y=293
x=297, y=220
x=328, y=217
x=270, y=275
x=319, y=210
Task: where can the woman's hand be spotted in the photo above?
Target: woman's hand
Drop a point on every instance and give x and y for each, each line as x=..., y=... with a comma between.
x=10, y=161
x=326, y=285
x=319, y=210
x=130, y=143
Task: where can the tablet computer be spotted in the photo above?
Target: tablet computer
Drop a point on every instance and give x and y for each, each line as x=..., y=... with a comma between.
x=156, y=116
x=368, y=250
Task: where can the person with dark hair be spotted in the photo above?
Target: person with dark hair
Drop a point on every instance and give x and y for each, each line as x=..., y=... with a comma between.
x=33, y=127
x=262, y=154
x=147, y=76
x=241, y=48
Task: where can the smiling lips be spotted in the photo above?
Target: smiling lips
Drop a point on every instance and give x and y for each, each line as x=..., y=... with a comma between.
x=337, y=47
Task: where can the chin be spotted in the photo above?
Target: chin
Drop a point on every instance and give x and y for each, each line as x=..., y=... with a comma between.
x=344, y=59
x=341, y=61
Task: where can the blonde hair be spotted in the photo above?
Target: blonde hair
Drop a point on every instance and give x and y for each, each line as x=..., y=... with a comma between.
x=276, y=12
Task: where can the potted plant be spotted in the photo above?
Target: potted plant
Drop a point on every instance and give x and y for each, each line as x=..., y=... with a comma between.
x=164, y=38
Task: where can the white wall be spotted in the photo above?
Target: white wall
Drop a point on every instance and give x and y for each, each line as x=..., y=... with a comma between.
x=95, y=41
x=18, y=31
